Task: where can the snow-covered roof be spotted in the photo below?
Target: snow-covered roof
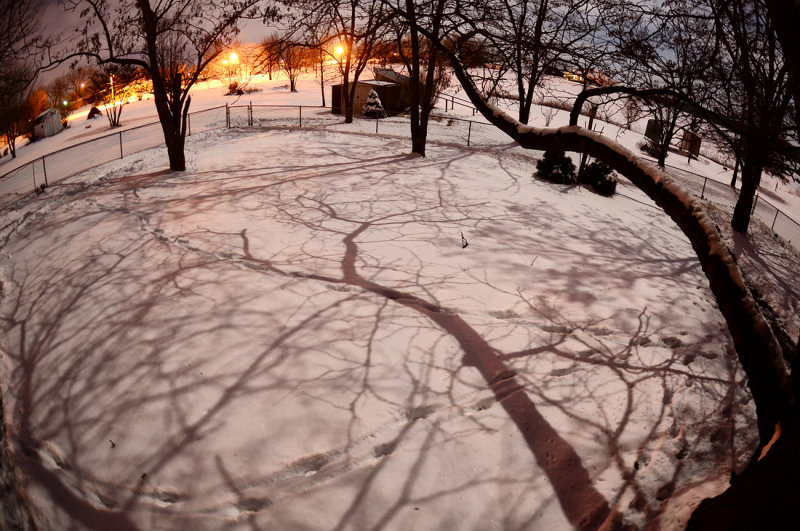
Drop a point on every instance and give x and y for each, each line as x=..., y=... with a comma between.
x=46, y=112
x=376, y=82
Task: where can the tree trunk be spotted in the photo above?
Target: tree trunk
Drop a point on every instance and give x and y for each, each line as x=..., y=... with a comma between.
x=751, y=177
x=348, y=111
x=764, y=497
x=590, y=127
x=735, y=172
x=322, y=76
x=348, y=93
x=417, y=135
x=177, y=157
x=524, y=113
x=666, y=139
x=173, y=123
x=11, y=140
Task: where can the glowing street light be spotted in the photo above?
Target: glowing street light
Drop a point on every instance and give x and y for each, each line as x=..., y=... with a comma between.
x=233, y=58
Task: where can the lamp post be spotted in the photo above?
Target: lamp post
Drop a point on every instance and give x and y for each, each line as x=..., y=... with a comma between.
x=234, y=60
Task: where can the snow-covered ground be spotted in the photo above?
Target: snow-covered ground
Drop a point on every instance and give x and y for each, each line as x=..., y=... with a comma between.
x=291, y=334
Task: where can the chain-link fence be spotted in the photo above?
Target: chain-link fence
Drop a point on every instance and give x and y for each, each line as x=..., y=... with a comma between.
x=57, y=166
x=726, y=196
x=781, y=225
x=441, y=128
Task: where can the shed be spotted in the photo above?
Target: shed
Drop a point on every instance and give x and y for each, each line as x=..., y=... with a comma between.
x=388, y=92
x=654, y=130
x=387, y=74
x=48, y=123
x=691, y=143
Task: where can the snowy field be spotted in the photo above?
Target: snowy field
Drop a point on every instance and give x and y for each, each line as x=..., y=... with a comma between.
x=291, y=335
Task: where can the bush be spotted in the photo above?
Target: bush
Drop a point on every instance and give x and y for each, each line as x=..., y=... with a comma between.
x=600, y=177
x=234, y=89
x=557, y=168
x=649, y=147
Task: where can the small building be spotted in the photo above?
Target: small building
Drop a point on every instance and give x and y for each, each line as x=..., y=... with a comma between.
x=388, y=92
x=691, y=144
x=48, y=123
x=654, y=130
x=594, y=77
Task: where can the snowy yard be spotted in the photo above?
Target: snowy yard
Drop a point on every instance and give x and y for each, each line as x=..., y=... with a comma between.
x=291, y=335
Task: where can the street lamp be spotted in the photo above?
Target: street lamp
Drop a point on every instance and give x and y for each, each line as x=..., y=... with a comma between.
x=234, y=60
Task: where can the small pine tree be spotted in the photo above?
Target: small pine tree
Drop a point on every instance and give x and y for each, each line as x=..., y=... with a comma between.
x=374, y=108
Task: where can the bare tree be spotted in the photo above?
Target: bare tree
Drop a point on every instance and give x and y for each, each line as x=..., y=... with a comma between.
x=58, y=95
x=173, y=42
x=761, y=354
x=19, y=22
x=293, y=58
x=355, y=27
x=533, y=36
x=756, y=95
x=673, y=47
x=268, y=57
x=112, y=85
x=422, y=60
x=15, y=109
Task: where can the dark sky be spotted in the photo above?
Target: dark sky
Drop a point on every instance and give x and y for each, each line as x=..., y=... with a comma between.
x=58, y=23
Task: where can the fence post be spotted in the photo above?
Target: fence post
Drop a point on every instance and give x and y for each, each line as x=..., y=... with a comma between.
x=445, y=105
x=227, y=116
x=755, y=202
x=250, y=114
x=120, y=144
x=376, y=126
x=33, y=169
x=44, y=167
x=469, y=132
x=704, y=188
x=189, y=123
x=301, y=115
x=772, y=228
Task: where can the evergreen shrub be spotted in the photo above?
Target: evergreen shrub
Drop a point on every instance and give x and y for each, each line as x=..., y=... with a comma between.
x=600, y=177
x=557, y=168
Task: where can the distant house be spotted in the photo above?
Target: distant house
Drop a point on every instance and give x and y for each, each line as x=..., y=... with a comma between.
x=595, y=77
x=47, y=124
x=388, y=92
